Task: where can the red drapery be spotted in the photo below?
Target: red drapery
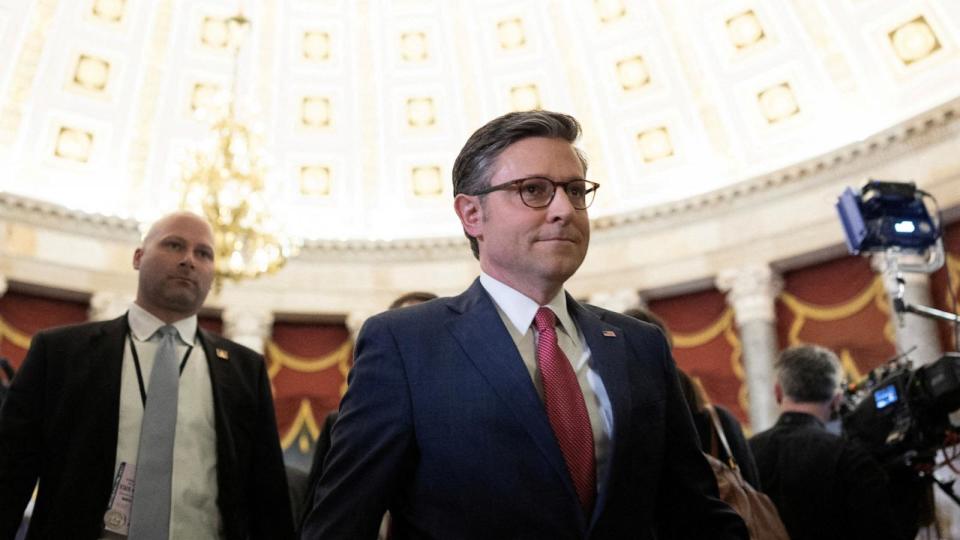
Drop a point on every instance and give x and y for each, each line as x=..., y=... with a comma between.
x=706, y=345
x=22, y=315
x=841, y=305
x=308, y=366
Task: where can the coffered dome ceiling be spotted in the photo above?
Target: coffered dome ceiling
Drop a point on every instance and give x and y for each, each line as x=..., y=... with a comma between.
x=363, y=104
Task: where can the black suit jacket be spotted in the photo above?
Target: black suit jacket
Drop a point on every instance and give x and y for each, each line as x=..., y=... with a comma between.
x=442, y=425
x=59, y=425
x=824, y=486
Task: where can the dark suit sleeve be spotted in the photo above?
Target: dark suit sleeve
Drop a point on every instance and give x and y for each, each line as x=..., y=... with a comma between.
x=269, y=496
x=372, y=446
x=689, y=505
x=21, y=436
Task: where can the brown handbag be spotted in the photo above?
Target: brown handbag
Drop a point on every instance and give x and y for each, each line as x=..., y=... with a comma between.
x=757, y=510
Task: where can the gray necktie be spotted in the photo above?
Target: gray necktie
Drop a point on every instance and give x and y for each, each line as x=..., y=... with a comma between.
x=150, y=516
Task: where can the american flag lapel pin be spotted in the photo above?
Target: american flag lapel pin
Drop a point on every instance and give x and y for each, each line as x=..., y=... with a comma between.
x=223, y=354
x=609, y=333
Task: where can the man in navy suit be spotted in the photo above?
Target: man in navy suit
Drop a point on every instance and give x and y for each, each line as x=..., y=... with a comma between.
x=73, y=415
x=511, y=410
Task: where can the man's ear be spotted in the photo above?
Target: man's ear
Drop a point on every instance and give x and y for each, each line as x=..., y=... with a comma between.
x=470, y=212
x=778, y=393
x=835, y=402
x=137, y=255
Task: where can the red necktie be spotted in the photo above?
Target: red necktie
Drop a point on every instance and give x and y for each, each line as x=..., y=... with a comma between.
x=565, y=408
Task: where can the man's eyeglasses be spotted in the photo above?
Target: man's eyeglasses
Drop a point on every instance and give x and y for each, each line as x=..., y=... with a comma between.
x=537, y=192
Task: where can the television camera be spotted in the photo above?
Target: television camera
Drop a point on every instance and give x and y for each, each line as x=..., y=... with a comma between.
x=899, y=413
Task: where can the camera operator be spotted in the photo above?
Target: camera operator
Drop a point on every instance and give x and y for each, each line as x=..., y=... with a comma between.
x=823, y=485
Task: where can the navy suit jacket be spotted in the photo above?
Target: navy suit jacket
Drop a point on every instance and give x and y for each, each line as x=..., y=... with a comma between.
x=59, y=425
x=442, y=425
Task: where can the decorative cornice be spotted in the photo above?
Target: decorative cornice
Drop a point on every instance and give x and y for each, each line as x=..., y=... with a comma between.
x=909, y=130
x=125, y=229
x=45, y=214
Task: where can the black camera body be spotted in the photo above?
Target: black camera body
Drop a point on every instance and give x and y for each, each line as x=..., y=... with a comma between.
x=901, y=415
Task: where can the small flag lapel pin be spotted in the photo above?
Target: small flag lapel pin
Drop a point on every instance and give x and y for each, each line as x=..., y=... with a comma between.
x=609, y=333
x=222, y=354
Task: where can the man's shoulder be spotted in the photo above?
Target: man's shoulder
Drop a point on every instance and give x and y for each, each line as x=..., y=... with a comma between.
x=231, y=348
x=74, y=331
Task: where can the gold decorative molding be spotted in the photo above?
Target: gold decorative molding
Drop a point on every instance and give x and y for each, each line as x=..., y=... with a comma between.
x=73, y=144
x=315, y=112
x=778, y=102
x=655, y=144
x=914, y=40
x=745, y=30
x=511, y=34
x=414, y=47
x=609, y=10
x=304, y=421
x=421, y=112
x=525, y=97
x=426, y=181
x=315, y=46
x=633, y=73
x=280, y=358
x=109, y=11
x=16, y=337
x=315, y=180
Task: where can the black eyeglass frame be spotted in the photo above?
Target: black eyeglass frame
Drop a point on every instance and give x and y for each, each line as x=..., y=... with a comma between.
x=590, y=187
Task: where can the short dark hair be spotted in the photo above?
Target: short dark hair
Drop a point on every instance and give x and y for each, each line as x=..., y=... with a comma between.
x=808, y=373
x=415, y=297
x=474, y=165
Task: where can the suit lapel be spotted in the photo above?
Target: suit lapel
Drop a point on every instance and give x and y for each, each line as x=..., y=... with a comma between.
x=487, y=344
x=608, y=358
x=222, y=380
x=104, y=360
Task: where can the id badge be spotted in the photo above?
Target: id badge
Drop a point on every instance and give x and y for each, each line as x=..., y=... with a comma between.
x=117, y=518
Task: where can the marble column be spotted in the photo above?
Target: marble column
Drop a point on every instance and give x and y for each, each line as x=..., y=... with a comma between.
x=247, y=325
x=751, y=292
x=355, y=320
x=916, y=335
x=106, y=305
x=619, y=300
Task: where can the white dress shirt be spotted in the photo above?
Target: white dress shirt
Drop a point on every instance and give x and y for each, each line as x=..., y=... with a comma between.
x=517, y=312
x=193, y=510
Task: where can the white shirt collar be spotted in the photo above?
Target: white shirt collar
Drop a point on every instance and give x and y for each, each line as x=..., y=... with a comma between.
x=520, y=309
x=144, y=324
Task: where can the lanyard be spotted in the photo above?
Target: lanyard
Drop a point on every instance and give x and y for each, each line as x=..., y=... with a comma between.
x=136, y=363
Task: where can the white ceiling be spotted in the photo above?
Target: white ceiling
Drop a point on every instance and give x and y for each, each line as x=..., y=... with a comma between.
x=364, y=103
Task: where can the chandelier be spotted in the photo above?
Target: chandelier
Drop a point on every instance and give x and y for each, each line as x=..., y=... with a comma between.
x=225, y=180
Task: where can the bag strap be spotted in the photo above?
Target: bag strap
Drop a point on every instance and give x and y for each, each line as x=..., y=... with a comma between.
x=718, y=430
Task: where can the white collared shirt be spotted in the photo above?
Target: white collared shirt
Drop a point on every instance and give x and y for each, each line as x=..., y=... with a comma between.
x=193, y=509
x=517, y=312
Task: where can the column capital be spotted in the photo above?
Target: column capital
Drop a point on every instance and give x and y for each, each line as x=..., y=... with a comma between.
x=248, y=325
x=106, y=305
x=751, y=292
x=355, y=320
x=618, y=300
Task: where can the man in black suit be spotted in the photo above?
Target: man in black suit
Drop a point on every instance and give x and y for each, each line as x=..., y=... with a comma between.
x=512, y=410
x=824, y=486
x=73, y=415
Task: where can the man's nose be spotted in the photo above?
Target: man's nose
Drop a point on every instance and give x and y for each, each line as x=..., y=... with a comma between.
x=560, y=207
x=188, y=260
